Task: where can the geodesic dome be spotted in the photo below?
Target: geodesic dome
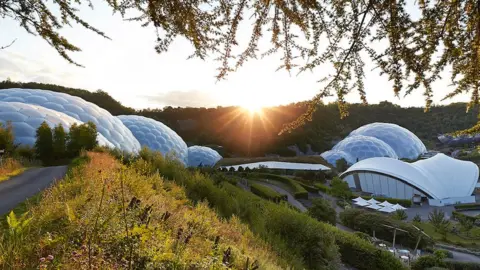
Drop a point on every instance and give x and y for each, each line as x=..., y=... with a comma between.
x=201, y=155
x=26, y=118
x=362, y=147
x=403, y=142
x=107, y=125
x=332, y=156
x=156, y=136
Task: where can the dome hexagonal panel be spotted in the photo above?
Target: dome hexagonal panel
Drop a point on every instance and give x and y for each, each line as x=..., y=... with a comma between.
x=26, y=118
x=156, y=135
x=362, y=147
x=201, y=155
x=107, y=125
x=404, y=142
x=332, y=156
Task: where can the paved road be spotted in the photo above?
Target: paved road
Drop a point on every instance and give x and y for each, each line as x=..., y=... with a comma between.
x=19, y=188
x=464, y=257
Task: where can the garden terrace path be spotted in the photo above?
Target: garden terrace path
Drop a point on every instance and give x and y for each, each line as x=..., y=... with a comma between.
x=21, y=187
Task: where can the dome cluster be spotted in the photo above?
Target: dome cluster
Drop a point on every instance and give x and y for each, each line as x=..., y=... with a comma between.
x=376, y=140
x=27, y=109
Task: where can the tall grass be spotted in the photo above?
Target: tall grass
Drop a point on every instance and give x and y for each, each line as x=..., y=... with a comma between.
x=104, y=215
x=10, y=167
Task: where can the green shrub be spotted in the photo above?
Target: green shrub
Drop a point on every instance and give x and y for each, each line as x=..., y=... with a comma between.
x=309, y=188
x=340, y=189
x=322, y=188
x=468, y=206
x=299, y=192
x=267, y=193
x=426, y=262
x=322, y=210
x=366, y=221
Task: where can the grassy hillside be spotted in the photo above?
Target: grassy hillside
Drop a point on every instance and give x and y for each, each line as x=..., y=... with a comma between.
x=243, y=134
x=108, y=216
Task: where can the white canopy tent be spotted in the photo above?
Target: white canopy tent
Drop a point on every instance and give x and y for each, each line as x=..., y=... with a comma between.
x=385, y=204
x=362, y=203
x=374, y=206
x=373, y=201
x=359, y=199
x=387, y=209
x=398, y=207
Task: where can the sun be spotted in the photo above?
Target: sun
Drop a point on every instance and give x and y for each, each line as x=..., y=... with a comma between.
x=253, y=108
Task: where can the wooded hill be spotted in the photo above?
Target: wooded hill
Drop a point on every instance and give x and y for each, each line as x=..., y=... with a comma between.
x=241, y=133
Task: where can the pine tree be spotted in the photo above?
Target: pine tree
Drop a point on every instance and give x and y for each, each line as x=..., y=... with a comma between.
x=82, y=136
x=44, y=143
x=59, y=142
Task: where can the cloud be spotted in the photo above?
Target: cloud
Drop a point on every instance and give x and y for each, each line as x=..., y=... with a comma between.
x=191, y=98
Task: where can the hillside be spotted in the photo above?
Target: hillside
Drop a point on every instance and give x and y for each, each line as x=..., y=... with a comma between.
x=242, y=134
x=105, y=216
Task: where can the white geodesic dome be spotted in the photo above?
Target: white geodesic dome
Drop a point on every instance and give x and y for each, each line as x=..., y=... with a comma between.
x=26, y=118
x=332, y=156
x=403, y=142
x=156, y=136
x=107, y=125
x=202, y=156
x=362, y=147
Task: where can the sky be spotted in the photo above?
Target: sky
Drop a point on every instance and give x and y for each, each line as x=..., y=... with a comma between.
x=129, y=69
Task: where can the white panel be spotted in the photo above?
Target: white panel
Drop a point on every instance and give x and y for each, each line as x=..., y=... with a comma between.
x=376, y=184
x=392, y=188
x=368, y=181
x=408, y=192
x=363, y=183
x=400, y=190
x=385, y=180
x=351, y=182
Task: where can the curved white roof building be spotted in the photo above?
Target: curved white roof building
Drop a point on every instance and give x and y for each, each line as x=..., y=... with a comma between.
x=441, y=179
x=202, y=155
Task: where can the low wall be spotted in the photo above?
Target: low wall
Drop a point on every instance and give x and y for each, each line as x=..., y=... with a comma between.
x=451, y=201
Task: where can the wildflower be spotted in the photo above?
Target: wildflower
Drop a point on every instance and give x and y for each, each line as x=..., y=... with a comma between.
x=50, y=257
x=42, y=259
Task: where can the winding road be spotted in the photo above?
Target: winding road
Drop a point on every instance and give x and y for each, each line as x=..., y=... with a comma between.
x=21, y=187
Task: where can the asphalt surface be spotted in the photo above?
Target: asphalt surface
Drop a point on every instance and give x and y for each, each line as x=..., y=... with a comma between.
x=21, y=187
x=464, y=257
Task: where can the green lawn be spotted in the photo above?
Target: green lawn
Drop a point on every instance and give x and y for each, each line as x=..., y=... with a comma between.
x=451, y=238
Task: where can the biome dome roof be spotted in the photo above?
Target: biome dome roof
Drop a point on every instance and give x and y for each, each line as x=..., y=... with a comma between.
x=440, y=176
x=107, y=125
x=362, y=147
x=403, y=142
x=26, y=118
x=332, y=156
x=156, y=135
x=201, y=155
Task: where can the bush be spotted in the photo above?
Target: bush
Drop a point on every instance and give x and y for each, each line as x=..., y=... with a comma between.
x=322, y=188
x=340, y=189
x=309, y=188
x=24, y=152
x=468, y=206
x=322, y=210
x=426, y=262
x=292, y=234
x=298, y=191
x=7, y=138
x=267, y=193
x=366, y=221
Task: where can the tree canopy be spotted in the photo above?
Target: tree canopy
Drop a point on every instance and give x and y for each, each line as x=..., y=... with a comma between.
x=411, y=42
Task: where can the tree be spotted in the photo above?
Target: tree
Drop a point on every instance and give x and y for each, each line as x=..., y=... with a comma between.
x=423, y=38
x=437, y=219
x=466, y=223
x=82, y=136
x=341, y=165
x=417, y=218
x=340, y=189
x=6, y=137
x=44, y=143
x=322, y=211
x=59, y=142
x=240, y=169
x=400, y=215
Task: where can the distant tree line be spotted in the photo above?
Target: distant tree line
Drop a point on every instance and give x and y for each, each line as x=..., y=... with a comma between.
x=225, y=126
x=55, y=144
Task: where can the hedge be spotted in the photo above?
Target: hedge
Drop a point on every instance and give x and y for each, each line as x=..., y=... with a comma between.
x=459, y=215
x=299, y=191
x=309, y=188
x=267, y=193
x=468, y=206
x=322, y=188
x=455, y=265
x=366, y=221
